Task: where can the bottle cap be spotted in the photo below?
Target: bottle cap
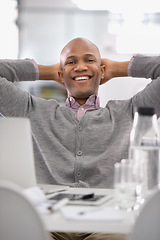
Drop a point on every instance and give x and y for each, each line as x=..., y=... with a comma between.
x=149, y=111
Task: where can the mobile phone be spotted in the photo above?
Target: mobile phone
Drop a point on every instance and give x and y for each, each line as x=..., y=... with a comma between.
x=80, y=199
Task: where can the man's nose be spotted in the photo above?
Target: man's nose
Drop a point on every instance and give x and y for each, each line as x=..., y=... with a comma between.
x=80, y=66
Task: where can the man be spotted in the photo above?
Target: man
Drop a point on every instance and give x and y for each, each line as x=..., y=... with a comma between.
x=78, y=144
x=68, y=144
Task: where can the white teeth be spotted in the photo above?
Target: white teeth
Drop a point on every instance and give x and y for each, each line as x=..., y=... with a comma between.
x=81, y=78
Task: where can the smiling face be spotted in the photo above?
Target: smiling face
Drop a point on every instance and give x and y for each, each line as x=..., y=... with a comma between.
x=81, y=69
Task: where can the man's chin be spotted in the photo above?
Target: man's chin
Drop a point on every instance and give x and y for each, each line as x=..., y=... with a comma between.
x=85, y=96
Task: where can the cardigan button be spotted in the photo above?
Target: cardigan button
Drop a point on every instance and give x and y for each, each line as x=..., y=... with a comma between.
x=79, y=127
x=78, y=174
x=79, y=153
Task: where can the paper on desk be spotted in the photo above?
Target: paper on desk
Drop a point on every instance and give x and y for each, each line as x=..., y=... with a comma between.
x=37, y=197
x=90, y=213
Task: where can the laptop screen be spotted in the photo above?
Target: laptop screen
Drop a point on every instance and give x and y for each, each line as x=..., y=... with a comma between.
x=16, y=152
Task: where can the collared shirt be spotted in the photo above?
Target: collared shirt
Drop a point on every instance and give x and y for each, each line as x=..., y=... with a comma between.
x=78, y=110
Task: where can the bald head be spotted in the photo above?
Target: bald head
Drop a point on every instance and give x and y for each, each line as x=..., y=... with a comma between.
x=81, y=70
x=81, y=46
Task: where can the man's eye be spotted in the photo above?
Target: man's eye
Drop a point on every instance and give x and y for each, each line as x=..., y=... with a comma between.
x=90, y=60
x=70, y=62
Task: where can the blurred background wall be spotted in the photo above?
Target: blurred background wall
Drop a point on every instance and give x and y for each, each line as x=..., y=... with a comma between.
x=39, y=29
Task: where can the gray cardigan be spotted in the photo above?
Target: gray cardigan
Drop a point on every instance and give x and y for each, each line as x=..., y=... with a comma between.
x=77, y=153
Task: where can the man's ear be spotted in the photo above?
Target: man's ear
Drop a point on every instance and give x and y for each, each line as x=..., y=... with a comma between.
x=60, y=74
x=61, y=81
x=102, y=73
x=103, y=80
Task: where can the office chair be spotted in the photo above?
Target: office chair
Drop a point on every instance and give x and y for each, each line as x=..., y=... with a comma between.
x=147, y=224
x=19, y=220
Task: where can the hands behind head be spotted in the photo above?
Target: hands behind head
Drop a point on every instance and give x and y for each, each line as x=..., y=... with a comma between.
x=109, y=68
x=112, y=69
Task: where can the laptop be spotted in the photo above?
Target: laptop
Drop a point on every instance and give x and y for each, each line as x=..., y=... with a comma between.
x=16, y=152
x=16, y=155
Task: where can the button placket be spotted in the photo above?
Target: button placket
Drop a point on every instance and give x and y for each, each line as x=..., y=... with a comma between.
x=79, y=151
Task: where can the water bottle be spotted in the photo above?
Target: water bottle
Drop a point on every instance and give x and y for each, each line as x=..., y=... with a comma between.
x=144, y=150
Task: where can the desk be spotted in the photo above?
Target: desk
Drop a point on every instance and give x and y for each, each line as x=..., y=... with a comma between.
x=56, y=221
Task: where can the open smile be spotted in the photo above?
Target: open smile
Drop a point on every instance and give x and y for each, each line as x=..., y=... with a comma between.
x=81, y=78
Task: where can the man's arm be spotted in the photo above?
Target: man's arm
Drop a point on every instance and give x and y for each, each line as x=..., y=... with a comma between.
x=114, y=69
x=140, y=66
x=146, y=66
x=26, y=70
x=14, y=101
x=50, y=72
x=17, y=70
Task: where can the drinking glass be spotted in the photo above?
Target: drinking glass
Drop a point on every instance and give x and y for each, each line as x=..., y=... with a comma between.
x=125, y=185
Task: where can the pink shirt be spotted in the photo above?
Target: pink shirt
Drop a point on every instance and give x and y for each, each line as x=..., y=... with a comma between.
x=78, y=110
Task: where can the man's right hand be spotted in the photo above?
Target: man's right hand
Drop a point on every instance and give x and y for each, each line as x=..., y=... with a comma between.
x=50, y=72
